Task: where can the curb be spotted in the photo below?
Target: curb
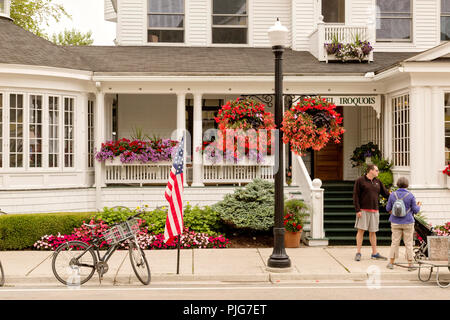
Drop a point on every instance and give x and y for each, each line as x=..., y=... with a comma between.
x=130, y=279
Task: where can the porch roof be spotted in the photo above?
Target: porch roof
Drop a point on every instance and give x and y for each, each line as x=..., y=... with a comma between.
x=18, y=46
x=163, y=60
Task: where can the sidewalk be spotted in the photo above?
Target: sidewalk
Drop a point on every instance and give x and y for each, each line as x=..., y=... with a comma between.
x=225, y=265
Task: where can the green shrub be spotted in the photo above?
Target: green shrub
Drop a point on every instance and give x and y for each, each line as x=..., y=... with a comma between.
x=386, y=178
x=251, y=207
x=21, y=231
x=195, y=218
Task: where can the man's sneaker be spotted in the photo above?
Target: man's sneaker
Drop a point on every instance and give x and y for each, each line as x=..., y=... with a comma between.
x=358, y=257
x=378, y=256
x=390, y=266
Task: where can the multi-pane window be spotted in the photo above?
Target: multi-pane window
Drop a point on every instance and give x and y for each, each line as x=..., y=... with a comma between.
x=229, y=21
x=35, y=131
x=90, y=133
x=447, y=127
x=16, y=130
x=445, y=20
x=400, y=130
x=1, y=130
x=68, y=132
x=394, y=20
x=165, y=21
x=53, y=131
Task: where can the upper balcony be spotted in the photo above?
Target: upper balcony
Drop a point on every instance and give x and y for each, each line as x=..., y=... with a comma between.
x=341, y=34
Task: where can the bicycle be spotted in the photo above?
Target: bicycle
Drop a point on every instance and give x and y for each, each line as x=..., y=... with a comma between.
x=78, y=267
x=2, y=273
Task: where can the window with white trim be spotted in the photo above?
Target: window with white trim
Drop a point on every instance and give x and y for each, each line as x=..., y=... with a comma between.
x=16, y=130
x=1, y=130
x=2, y=6
x=400, y=131
x=165, y=21
x=394, y=20
x=53, y=131
x=35, y=131
x=68, y=132
x=90, y=133
x=229, y=21
x=447, y=127
x=445, y=20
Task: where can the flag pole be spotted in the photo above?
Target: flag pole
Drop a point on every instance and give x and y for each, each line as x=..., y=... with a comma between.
x=178, y=254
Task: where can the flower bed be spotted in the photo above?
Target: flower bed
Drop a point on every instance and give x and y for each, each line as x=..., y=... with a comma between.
x=312, y=123
x=146, y=240
x=137, y=150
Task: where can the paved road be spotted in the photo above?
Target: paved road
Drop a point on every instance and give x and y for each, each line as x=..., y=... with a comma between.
x=300, y=290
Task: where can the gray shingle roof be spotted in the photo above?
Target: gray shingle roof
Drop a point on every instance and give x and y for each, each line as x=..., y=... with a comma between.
x=18, y=46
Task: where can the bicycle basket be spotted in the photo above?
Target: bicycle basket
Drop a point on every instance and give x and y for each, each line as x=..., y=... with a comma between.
x=122, y=231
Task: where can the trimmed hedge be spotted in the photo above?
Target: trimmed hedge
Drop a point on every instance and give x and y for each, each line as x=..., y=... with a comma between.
x=21, y=231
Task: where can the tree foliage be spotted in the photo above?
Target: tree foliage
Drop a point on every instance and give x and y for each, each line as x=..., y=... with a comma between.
x=34, y=15
x=73, y=38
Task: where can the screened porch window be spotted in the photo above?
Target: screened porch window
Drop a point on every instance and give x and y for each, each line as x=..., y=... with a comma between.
x=1, y=130
x=400, y=130
x=16, y=130
x=165, y=21
x=394, y=20
x=447, y=127
x=91, y=133
x=445, y=20
x=35, y=131
x=229, y=21
x=53, y=131
x=68, y=132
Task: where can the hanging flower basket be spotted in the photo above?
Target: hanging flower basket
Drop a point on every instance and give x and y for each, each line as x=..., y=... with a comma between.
x=312, y=123
x=244, y=135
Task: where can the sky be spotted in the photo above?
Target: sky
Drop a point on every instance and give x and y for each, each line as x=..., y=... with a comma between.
x=86, y=15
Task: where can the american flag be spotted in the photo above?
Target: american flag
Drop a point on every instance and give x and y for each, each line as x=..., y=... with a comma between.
x=174, y=195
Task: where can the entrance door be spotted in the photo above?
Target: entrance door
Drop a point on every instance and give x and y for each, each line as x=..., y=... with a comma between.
x=328, y=162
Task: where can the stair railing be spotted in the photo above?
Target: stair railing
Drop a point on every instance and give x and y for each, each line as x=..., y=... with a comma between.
x=313, y=196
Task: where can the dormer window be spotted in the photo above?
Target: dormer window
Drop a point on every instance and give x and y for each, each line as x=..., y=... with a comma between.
x=229, y=21
x=165, y=21
x=445, y=20
x=333, y=11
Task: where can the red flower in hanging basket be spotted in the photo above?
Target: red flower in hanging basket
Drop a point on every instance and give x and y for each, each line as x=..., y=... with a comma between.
x=447, y=170
x=312, y=123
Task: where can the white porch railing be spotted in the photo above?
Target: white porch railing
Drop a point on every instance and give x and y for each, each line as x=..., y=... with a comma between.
x=326, y=32
x=236, y=173
x=138, y=173
x=313, y=197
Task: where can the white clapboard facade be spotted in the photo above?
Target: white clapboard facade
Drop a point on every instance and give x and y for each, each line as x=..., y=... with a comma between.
x=176, y=61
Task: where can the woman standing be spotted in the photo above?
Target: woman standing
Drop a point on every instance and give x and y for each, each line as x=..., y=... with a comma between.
x=402, y=225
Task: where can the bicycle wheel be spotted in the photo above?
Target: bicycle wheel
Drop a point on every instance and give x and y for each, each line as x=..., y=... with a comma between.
x=139, y=263
x=2, y=275
x=73, y=264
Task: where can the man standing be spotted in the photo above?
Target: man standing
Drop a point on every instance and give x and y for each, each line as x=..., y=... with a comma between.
x=365, y=198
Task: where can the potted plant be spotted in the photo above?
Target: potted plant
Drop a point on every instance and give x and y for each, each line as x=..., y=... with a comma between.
x=446, y=171
x=312, y=123
x=364, y=154
x=439, y=244
x=295, y=213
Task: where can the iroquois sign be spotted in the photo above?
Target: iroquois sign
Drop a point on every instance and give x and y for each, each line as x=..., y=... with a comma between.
x=356, y=101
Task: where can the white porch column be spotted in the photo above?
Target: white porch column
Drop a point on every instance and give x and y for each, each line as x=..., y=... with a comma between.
x=198, y=133
x=82, y=145
x=437, y=138
x=181, y=126
x=99, y=135
x=417, y=134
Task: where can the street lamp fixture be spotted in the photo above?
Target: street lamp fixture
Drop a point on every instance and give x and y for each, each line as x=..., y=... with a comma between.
x=279, y=259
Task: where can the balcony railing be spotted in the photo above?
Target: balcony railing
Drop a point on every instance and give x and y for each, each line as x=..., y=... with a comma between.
x=327, y=32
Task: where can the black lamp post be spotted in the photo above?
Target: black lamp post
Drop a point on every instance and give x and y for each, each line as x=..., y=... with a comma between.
x=279, y=259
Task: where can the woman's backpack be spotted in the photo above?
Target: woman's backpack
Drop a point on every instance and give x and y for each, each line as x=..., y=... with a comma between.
x=399, y=208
